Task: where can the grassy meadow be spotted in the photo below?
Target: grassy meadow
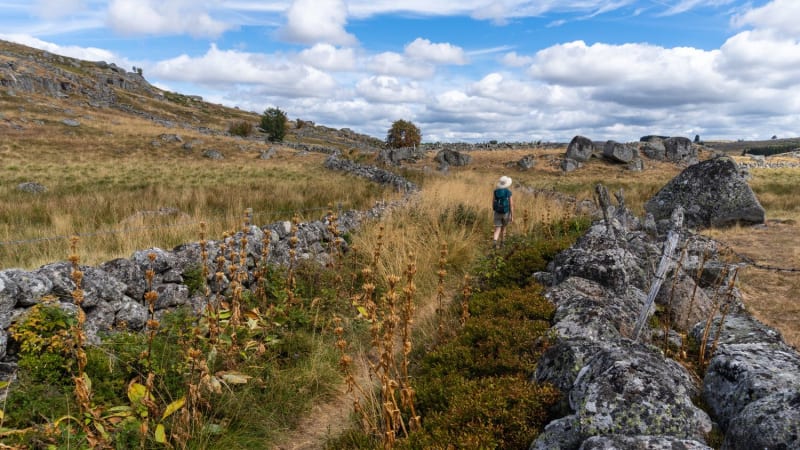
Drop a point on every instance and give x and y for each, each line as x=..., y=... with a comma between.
x=420, y=287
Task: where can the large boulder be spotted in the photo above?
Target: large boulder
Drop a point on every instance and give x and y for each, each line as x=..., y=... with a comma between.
x=452, y=158
x=680, y=150
x=618, y=152
x=580, y=149
x=712, y=193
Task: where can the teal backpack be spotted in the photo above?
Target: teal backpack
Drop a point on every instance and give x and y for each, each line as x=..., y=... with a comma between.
x=502, y=201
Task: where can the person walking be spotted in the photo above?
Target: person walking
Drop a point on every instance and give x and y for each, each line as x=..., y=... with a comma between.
x=503, y=207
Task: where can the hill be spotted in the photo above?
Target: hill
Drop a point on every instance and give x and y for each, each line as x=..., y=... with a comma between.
x=59, y=85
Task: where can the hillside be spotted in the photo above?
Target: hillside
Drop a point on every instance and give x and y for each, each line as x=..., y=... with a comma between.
x=58, y=86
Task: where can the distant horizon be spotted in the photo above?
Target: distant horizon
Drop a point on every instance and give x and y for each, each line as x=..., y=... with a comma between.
x=463, y=71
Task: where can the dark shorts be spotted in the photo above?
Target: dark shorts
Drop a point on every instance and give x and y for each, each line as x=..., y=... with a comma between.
x=501, y=220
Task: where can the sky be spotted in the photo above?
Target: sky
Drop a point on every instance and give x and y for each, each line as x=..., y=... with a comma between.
x=462, y=71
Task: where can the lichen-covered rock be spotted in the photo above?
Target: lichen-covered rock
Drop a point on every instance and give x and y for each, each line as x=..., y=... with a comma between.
x=452, y=158
x=679, y=149
x=618, y=152
x=619, y=442
x=580, y=149
x=712, y=193
x=771, y=422
x=570, y=165
x=629, y=389
x=750, y=362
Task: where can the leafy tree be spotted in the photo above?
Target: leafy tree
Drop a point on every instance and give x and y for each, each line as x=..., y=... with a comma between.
x=403, y=134
x=273, y=122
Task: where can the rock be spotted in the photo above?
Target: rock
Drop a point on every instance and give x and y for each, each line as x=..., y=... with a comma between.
x=580, y=149
x=452, y=158
x=654, y=149
x=769, y=422
x=31, y=287
x=268, y=154
x=171, y=138
x=751, y=362
x=213, y=154
x=570, y=165
x=636, y=165
x=619, y=442
x=526, y=163
x=31, y=187
x=396, y=156
x=712, y=193
x=617, y=152
x=680, y=150
x=71, y=122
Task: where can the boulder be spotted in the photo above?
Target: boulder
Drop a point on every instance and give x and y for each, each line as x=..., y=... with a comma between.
x=31, y=187
x=452, y=158
x=580, y=149
x=621, y=153
x=526, y=163
x=570, y=165
x=213, y=154
x=712, y=193
x=680, y=150
x=769, y=422
x=619, y=442
x=654, y=149
x=396, y=156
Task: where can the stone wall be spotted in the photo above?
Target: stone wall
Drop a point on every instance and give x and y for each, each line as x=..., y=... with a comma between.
x=623, y=392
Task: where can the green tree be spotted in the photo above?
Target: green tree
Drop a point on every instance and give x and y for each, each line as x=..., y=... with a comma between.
x=403, y=134
x=273, y=122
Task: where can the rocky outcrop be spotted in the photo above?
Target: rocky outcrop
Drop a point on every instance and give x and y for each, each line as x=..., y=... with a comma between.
x=712, y=193
x=621, y=391
x=677, y=149
x=396, y=156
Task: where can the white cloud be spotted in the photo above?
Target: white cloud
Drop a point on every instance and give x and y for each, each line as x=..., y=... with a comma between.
x=385, y=89
x=395, y=64
x=328, y=57
x=54, y=9
x=635, y=74
x=85, y=53
x=761, y=59
x=221, y=67
x=777, y=16
x=314, y=21
x=163, y=17
x=442, y=53
x=512, y=59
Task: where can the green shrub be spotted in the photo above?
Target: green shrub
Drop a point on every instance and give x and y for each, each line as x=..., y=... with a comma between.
x=505, y=412
x=44, y=339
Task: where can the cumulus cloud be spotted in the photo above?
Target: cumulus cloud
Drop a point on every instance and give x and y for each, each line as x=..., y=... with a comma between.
x=743, y=57
x=778, y=16
x=395, y=64
x=163, y=17
x=442, y=53
x=385, y=89
x=328, y=57
x=512, y=59
x=634, y=74
x=229, y=66
x=314, y=21
x=85, y=53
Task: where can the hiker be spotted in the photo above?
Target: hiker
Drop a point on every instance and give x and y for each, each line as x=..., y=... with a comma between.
x=503, y=207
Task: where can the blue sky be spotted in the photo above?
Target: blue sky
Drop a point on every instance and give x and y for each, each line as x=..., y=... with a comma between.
x=467, y=70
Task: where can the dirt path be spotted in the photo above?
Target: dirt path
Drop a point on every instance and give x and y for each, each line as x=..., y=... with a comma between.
x=331, y=418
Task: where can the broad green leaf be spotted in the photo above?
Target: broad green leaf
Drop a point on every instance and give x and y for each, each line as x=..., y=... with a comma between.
x=174, y=406
x=362, y=311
